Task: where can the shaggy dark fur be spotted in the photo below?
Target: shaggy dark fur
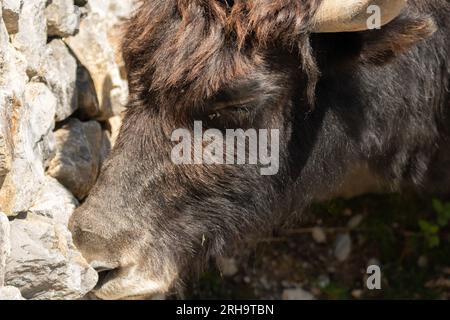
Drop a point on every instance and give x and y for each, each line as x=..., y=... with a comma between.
x=376, y=98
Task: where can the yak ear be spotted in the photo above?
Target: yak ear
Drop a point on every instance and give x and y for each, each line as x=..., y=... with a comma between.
x=381, y=46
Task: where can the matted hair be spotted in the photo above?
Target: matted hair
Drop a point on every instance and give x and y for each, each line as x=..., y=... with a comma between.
x=193, y=47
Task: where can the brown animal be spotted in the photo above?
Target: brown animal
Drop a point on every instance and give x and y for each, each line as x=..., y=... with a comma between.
x=340, y=95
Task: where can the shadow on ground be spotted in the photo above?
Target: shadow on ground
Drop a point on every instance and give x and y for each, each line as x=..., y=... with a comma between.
x=408, y=236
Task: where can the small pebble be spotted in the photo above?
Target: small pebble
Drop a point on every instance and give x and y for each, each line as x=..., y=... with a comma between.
x=319, y=235
x=357, y=293
x=323, y=281
x=422, y=262
x=343, y=247
x=297, y=294
x=355, y=221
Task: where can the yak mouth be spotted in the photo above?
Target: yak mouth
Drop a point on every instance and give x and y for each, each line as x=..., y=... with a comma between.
x=103, y=277
x=126, y=283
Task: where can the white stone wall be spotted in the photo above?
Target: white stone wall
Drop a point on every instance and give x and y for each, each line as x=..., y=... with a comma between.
x=62, y=90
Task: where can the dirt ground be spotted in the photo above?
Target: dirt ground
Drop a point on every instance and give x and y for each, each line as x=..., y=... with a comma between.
x=325, y=256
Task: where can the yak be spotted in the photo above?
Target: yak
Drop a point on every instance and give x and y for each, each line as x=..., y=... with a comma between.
x=341, y=94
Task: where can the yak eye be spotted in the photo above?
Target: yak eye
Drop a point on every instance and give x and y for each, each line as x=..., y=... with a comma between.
x=232, y=116
x=241, y=107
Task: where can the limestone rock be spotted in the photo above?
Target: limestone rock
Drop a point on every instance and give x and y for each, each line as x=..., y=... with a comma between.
x=10, y=293
x=60, y=72
x=77, y=162
x=31, y=37
x=5, y=145
x=42, y=84
x=114, y=124
x=12, y=83
x=5, y=246
x=54, y=202
x=63, y=18
x=11, y=13
x=93, y=49
x=34, y=144
x=44, y=263
x=12, y=69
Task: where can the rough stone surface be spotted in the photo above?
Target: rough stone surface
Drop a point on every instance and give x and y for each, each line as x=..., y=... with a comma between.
x=12, y=84
x=97, y=53
x=77, y=161
x=11, y=13
x=44, y=263
x=54, y=202
x=63, y=18
x=5, y=246
x=114, y=124
x=44, y=86
x=31, y=37
x=10, y=293
x=34, y=144
x=60, y=72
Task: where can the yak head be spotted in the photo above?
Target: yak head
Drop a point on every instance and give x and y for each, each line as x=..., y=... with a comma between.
x=204, y=74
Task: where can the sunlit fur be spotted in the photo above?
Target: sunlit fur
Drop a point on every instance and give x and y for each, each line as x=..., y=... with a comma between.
x=377, y=99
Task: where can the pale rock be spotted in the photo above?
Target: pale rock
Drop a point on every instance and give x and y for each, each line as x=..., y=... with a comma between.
x=63, y=18
x=10, y=294
x=60, y=72
x=13, y=67
x=355, y=221
x=95, y=52
x=11, y=13
x=42, y=106
x=54, y=202
x=357, y=293
x=319, y=235
x=114, y=123
x=31, y=37
x=297, y=294
x=77, y=162
x=12, y=84
x=44, y=263
x=113, y=11
x=343, y=247
x=34, y=144
x=5, y=246
x=422, y=262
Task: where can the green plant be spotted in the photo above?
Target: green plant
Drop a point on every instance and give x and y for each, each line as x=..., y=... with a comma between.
x=443, y=212
x=430, y=232
x=431, y=229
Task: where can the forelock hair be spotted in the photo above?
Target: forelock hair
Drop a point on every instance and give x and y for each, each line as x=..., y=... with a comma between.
x=189, y=48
